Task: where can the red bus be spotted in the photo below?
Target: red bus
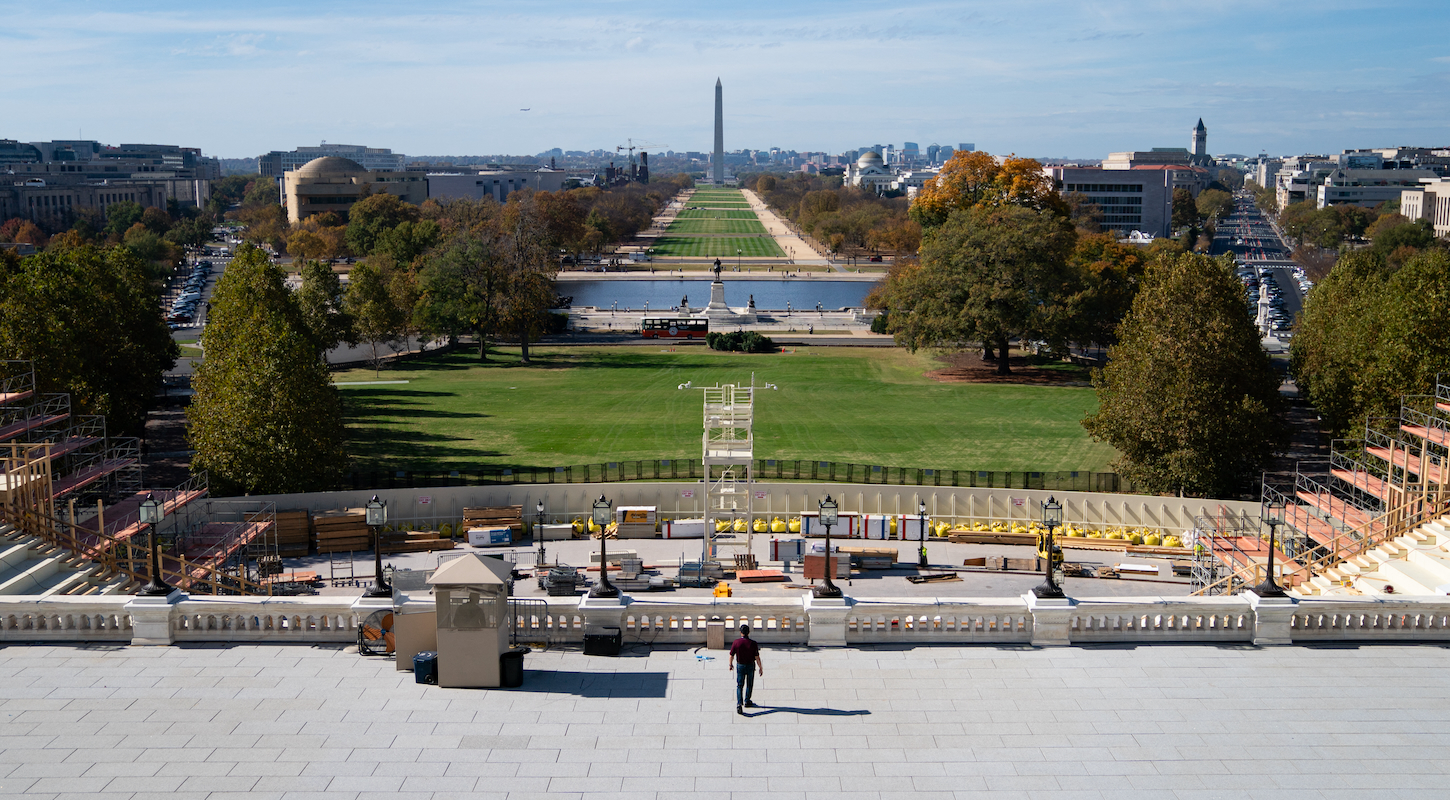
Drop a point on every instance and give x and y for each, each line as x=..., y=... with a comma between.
x=674, y=328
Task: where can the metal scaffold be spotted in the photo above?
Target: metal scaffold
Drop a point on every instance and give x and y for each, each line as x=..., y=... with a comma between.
x=729, y=455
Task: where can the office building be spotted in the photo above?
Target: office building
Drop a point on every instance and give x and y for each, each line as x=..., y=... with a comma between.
x=277, y=163
x=495, y=181
x=49, y=182
x=1129, y=199
x=1429, y=201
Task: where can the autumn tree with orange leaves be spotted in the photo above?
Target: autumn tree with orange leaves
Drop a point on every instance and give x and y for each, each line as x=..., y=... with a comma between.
x=974, y=179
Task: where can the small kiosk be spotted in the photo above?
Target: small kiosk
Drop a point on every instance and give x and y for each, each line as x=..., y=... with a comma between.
x=471, y=596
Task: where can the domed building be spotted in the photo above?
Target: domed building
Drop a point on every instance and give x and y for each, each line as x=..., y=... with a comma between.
x=870, y=172
x=333, y=183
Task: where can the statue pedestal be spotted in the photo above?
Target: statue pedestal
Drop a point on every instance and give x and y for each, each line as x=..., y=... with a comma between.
x=720, y=314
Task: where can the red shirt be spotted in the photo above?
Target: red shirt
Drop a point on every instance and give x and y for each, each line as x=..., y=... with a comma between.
x=745, y=651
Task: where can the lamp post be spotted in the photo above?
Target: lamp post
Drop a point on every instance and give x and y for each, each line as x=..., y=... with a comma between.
x=541, y=560
x=921, y=512
x=737, y=259
x=828, y=510
x=601, y=518
x=377, y=517
x=1050, y=552
x=1271, y=587
x=152, y=512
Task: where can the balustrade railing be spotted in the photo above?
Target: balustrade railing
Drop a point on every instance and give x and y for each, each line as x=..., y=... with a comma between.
x=990, y=621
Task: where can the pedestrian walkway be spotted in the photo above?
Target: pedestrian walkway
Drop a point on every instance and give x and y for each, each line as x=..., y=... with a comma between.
x=793, y=245
x=1120, y=722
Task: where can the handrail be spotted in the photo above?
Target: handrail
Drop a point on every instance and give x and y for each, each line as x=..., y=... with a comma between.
x=183, y=573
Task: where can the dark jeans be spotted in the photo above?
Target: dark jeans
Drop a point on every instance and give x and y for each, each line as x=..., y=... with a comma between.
x=744, y=683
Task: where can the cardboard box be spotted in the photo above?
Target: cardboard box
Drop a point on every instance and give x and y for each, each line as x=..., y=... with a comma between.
x=489, y=537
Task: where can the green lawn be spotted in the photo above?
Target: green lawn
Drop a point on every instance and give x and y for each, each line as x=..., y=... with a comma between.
x=717, y=247
x=680, y=226
x=718, y=204
x=591, y=405
x=715, y=213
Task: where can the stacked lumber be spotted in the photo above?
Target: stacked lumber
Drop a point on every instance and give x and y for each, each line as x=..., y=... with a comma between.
x=294, y=533
x=415, y=542
x=990, y=537
x=341, y=531
x=511, y=517
x=870, y=557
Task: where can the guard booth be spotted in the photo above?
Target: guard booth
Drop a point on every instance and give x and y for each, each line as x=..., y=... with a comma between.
x=471, y=596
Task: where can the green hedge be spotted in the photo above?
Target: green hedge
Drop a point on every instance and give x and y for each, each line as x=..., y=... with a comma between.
x=740, y=342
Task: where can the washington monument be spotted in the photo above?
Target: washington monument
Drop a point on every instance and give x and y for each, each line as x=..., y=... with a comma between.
x=717, y=162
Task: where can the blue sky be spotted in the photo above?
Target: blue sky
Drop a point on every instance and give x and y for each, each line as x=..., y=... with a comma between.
x=1071, y=79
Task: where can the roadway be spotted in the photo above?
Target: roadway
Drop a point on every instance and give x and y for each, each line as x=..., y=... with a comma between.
x=1253, y=240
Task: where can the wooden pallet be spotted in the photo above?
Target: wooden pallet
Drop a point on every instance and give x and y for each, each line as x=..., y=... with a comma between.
x=511, y=517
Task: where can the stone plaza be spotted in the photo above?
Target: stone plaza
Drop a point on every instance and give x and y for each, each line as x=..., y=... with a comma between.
x=216, y=721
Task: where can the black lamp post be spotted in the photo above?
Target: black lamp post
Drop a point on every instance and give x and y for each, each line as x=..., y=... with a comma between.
x=377, y=517
x=828, y=518
x=601, y=518
x=152, y=512
x=921, y=512
x=1271, y=587
x=1050, y=552
x=539, y=533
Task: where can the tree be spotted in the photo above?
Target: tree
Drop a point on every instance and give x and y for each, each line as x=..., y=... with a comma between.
x=987, y=275
x=1371, y=332
x=90, y=320
x=372, y=217
x=974, y=179
x=321, y=304
x=1185, y=211
x=462, y=279
x=369, y=301
x=121, y=216
x=266, y=418
x=530, y=266
x=1212, y=204
x=1189, y=396
x=1110, y=275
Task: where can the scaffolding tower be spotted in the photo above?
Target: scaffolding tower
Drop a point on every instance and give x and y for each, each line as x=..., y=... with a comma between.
x=729, y=454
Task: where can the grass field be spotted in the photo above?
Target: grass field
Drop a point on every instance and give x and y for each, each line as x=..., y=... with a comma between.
x=715, y=213
x=717, y=247
x=687, y=226
x=590, y=405
x=721, y=205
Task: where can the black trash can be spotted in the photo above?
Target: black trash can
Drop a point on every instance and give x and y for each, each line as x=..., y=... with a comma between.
x=511, y=668
x=425, y=668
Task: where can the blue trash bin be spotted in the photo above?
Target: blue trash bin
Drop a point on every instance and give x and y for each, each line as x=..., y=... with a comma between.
x=425, y=668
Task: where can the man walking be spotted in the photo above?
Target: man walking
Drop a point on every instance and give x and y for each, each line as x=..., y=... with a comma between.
x=744, y=654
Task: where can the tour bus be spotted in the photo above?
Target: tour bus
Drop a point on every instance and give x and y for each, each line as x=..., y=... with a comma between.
x=673, y=328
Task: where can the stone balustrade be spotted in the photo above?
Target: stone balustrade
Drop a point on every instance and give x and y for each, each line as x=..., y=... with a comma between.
x=682, y=621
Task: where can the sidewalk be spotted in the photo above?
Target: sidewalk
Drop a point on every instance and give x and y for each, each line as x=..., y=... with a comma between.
x=789, y=242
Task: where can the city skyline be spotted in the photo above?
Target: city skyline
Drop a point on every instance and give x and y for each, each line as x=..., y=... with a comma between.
x=1047, y=79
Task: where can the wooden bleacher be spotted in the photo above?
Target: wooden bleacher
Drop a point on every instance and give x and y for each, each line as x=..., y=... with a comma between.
x=1363, y=481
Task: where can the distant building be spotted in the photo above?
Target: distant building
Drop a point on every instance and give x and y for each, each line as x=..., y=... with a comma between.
x=1130, y=200
x=1367, y=187
x=278, y=162
x=1429, y=201
x=1199, y=145
x=495, y=182
x=334, y=184
x=51, y=181
x=870, y=172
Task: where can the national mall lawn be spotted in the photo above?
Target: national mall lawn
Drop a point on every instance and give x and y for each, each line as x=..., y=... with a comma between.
x=588, y=405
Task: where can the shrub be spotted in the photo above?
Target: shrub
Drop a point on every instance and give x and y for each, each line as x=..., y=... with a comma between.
x=878, y=324
x=740, y=342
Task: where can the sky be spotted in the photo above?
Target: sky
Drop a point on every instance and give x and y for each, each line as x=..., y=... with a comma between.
x=1074, y=79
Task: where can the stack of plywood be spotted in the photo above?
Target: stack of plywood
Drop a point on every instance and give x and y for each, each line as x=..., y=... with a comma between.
x=415, y=542
x=294, y=533
x=511, y=517
x=870, y=557
x=341, y=531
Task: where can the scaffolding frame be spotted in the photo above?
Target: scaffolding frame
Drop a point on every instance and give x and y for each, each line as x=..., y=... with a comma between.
x=728, y=444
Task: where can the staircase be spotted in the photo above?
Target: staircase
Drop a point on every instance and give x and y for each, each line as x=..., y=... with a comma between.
x=70, y=498
x=1374, y=519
